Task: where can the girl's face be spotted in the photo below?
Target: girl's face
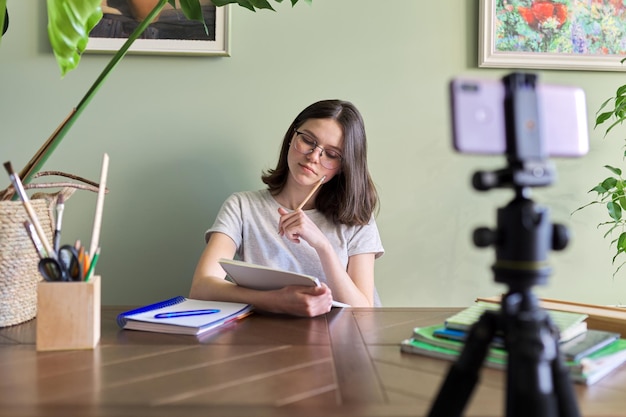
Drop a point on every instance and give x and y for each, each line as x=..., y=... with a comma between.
x=315, y=151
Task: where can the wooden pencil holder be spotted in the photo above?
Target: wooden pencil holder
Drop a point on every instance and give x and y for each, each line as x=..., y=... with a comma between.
x=68, y=315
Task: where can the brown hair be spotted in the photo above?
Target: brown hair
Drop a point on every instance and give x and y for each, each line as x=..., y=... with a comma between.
x=350, y=197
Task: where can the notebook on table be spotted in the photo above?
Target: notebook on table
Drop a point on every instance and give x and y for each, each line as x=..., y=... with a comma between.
x=180, y=315
x=264, y=278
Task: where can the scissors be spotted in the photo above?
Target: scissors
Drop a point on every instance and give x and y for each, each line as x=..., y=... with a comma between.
x=67, y=267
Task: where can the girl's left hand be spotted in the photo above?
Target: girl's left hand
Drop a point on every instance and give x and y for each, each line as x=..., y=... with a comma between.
x=295, y=225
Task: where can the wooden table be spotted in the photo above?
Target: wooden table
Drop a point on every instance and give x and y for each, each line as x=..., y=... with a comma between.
x=346, y=363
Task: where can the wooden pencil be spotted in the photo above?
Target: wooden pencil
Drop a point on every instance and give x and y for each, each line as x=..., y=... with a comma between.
x=308, y=197
x=97, y=223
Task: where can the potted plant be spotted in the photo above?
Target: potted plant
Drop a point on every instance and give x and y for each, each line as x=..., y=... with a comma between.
x=69, y=24
x=611, y=192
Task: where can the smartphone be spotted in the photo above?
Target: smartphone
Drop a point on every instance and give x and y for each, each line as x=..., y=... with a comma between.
x=478, y=117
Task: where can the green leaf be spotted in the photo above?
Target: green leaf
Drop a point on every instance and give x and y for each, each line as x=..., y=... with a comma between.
x=242, y=3
x=621, y=90
x=617, y=122
x=621, y=242
x=3, y=11
x=192, y=10
x=254, y=4
x=614, y=170
x=599, y=189
x=603, y=105
x=609, y=183
x=261, y=4
x=603, y=117
x=615, y=211
x=620, y=107
x=246, y=4
x=69, y=24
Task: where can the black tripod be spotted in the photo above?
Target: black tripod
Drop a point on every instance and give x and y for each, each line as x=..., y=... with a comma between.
x=538, y=383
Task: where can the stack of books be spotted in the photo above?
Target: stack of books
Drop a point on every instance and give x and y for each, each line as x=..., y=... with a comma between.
x=590, y=354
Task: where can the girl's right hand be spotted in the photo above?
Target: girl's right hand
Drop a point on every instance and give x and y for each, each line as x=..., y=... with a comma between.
x=297, y=226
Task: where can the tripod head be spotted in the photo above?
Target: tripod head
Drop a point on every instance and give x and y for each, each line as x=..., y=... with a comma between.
x=524, y=234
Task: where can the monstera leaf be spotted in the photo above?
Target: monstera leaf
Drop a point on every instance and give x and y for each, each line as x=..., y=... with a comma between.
x=69, y=24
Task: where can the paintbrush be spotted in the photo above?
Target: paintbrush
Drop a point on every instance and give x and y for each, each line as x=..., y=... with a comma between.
x=30, y=230
x=60, y=206
x=17, y=184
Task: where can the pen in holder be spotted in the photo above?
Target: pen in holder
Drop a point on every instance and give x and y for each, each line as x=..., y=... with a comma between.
x=68, y=314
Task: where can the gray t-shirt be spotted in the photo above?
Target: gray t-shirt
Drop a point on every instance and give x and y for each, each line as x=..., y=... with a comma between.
x=250, y=219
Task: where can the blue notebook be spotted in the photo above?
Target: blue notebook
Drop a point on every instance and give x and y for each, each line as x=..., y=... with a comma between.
x=180, y=315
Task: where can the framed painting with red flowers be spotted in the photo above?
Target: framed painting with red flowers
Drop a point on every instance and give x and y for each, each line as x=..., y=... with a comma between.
x=553, y=34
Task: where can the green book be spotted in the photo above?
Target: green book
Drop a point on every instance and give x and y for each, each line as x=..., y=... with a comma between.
x=427, y=335
x=569, y=324
x=587, y=371
x=434, y=351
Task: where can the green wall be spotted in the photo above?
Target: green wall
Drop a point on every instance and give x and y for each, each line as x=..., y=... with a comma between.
x=185, y=132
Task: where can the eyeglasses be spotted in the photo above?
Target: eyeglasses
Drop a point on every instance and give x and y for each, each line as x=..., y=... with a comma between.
x=305, y=144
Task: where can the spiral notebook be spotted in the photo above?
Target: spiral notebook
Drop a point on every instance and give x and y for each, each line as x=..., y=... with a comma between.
x=181, y=315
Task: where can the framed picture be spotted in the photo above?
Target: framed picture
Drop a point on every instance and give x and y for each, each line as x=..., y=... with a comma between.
x=553, y=34
x=170, y=33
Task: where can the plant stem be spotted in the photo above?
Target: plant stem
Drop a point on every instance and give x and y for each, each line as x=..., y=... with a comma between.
x=46, y=150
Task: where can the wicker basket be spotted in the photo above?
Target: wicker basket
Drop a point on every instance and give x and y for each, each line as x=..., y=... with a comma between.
x=18, y=261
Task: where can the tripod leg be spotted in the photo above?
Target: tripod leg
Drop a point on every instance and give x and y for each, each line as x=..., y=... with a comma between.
x=564, y=388
x=463, y=374
x=530, y=390
x=538, y=383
